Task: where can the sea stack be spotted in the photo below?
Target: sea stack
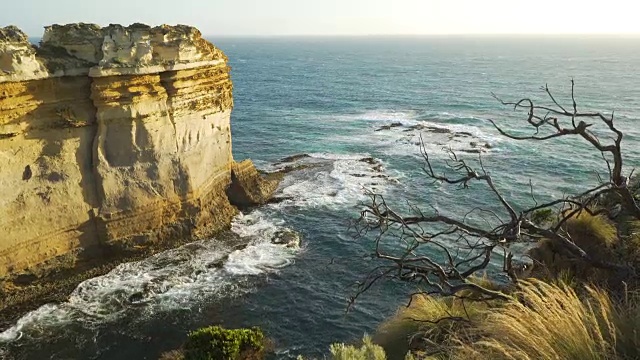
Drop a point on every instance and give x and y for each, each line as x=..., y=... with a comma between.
x=113, y=140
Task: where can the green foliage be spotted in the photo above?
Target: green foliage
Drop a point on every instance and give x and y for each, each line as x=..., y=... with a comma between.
x=217, y=343
x=634, y=185
x=368, y=351
x=542, y=216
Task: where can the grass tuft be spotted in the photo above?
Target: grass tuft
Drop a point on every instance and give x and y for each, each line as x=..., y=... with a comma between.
x=594, y=234
x=432, y=322
x=551, y=321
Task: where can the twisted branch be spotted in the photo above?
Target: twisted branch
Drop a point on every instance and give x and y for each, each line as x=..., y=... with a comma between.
x=427, y=259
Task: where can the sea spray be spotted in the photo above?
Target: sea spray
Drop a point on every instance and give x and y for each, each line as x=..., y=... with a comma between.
x=218, y=267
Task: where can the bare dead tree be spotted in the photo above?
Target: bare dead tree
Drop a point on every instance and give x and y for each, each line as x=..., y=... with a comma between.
x=441, y=253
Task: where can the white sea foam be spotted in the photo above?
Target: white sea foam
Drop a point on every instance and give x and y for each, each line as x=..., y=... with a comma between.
x=379, y=115
x=169, y=280
x=210, y=268
x=332, y=180
x=438, y=134
x=260, y=256
x=407, y=117
x=258, y=259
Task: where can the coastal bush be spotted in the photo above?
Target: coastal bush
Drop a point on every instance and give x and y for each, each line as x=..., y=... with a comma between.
x=629, y=229
x=368, y=351
x=217, y=343
x=588, y=258
x=550, y=321
x=542, y=216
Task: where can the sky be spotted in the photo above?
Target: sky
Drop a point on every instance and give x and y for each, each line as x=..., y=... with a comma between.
x=337, y=17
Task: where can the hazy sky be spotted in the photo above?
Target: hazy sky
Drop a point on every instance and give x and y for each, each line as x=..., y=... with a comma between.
x=332, y=17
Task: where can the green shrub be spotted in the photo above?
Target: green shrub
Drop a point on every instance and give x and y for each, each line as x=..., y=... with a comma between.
x=542, y=216
x=630, y=249
x=368, y=351
x=217, y=343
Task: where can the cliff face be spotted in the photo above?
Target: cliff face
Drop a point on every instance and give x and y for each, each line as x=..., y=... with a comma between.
x=113, y=140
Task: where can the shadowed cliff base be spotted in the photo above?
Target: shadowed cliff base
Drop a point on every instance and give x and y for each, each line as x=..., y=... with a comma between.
x=60, y=276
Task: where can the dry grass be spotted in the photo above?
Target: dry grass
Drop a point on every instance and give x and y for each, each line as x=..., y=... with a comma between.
x=594, y=234
x=630, y=249
x=172, y=355
x=431, y=322
x=553, y=322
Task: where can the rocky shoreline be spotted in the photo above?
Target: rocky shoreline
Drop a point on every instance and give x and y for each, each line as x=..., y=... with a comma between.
x=469, y=144
x=117, y=143
x=27, y=293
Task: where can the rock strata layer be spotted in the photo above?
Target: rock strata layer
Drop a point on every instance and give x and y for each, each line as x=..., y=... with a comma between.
x=113, y=140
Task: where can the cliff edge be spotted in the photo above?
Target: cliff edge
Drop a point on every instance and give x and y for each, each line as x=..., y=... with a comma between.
x=114, y=141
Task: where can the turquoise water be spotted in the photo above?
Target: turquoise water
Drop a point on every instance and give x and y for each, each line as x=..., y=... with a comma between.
x=326, y=97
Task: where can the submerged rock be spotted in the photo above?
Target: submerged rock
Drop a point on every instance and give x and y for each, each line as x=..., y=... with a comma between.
x=369, y=160
x=432, y=129
x=414, y=127
x=287, y=237
x=279, y=199
x=463, y=134
x=438, y=130
x=219, y=263
x=296, y=167
x=476, y=144
x=376, y=164
x=471, y=151
x=293, y=158
x=388, y=127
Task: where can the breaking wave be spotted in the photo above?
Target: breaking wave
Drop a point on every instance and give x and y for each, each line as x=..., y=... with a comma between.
x=169, y=280
x=400, y=133
x=213, y=268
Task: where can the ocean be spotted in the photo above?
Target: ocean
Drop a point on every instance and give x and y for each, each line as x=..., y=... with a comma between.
x=334, y=100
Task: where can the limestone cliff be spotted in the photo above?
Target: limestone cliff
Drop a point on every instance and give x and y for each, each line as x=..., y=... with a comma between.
x=112, y=140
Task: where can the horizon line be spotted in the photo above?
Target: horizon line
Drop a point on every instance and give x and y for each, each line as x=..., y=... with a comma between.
x=617, y=35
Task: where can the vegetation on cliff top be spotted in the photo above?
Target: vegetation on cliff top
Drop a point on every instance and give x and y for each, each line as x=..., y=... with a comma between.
x=573, y=293
x=576, y=298
x=217, y=343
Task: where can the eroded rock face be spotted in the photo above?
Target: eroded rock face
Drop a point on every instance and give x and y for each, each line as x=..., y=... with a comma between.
x=248, y=188
x=18, y=57
x=112, y=140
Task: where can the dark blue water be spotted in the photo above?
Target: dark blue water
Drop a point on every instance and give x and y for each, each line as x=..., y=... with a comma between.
x=326, y=97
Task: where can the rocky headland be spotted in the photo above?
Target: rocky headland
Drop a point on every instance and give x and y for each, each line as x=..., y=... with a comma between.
x=115, y=143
